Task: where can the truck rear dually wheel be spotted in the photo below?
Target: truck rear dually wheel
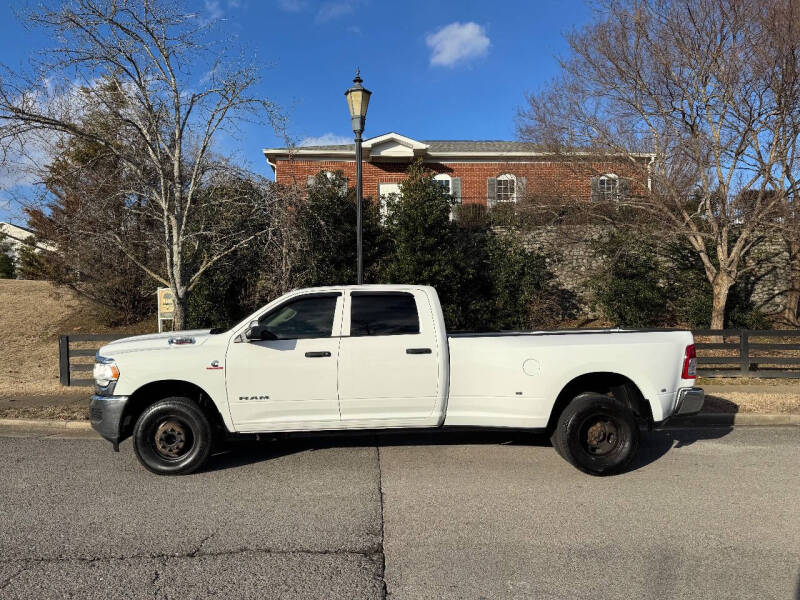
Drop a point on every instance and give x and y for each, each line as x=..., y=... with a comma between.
x=597, y=434
x=172, y=437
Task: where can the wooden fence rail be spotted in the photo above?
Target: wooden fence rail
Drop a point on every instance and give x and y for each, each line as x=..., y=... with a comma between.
x=731, y=353
x=67, y=351
x=748, y=353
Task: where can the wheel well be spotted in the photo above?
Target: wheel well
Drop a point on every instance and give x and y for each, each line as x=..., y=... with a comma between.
x=614, y=384
x=152, y=392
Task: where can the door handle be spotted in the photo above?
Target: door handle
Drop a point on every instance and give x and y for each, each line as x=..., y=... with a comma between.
x=418, y=350
x=321, y=354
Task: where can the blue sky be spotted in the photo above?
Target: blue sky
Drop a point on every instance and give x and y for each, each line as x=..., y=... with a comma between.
x=437, y=69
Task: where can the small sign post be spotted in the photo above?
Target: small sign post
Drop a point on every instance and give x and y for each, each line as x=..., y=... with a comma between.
x=166, y=308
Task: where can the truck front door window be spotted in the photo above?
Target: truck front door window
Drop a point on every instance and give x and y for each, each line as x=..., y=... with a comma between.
x=305, y=318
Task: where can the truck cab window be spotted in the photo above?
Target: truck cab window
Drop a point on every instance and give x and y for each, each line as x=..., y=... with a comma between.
x=310, y=317
x=383, y=314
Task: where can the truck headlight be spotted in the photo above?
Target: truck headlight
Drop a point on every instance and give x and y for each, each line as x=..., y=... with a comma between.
x=105, y=371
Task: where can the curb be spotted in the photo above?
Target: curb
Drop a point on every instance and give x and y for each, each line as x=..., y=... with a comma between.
x=734, y=420
x=46, y=424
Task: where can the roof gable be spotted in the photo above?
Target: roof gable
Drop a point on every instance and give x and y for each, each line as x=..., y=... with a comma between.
x=393, y=146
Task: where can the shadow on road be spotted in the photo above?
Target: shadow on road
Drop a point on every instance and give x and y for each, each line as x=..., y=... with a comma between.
x=654, y=444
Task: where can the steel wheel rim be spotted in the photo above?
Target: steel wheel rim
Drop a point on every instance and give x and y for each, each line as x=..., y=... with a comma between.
x=600, y=435
x=172, y=439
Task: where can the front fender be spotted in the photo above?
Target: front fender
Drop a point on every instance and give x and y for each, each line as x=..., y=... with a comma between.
x=200, y=367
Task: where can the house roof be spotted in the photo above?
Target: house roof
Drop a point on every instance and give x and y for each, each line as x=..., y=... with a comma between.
x=11, y=227
x=19, y=236
x=394, y=146
x=476, y=146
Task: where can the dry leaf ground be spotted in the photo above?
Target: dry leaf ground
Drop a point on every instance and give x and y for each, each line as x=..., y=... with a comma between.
x=32, y=315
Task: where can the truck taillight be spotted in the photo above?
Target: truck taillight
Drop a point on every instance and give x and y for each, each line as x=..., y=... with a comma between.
x=689, y=363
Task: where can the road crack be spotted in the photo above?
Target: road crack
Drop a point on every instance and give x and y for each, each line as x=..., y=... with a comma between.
x=381, y=553
x=154, y=583
x=194, y=552
x=367, y=553
x=8, y=581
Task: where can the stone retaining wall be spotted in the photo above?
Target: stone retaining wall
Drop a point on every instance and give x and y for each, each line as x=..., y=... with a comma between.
x=571, y=257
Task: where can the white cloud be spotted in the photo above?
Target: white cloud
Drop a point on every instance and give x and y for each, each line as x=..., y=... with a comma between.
x=213, y=9
x=456, y=43
x=292, y=5
x=335, y=9
x=326, y=139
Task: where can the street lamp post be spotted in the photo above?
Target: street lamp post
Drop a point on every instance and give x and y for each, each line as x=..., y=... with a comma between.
x=357, y=101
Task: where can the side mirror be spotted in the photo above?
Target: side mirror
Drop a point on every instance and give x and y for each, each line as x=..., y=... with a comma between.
x=257, y=333
x=252, y=332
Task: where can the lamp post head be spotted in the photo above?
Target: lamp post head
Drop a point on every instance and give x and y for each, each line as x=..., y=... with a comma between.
x=357, y=102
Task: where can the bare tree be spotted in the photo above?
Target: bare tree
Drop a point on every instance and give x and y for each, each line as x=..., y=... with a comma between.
x=781, y=58
x=147, y=64
x=695, y=82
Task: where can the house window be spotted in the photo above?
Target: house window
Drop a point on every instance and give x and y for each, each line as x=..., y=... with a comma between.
x=444, y=181
x=506, y=188
x=388, y=193
x=330, y=175
x=608, y=186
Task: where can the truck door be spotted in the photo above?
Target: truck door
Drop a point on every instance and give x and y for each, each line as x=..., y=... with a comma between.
x=389, y=364
x=291, y=378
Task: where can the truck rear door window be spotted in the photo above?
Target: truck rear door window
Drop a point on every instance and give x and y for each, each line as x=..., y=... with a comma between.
x=383, y=314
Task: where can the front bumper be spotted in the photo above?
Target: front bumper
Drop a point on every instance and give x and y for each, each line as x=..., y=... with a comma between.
x=105, y=413
x=690, y=402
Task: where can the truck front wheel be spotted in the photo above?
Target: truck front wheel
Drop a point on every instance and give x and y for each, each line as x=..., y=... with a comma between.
x=597, y=434
x=172, y=437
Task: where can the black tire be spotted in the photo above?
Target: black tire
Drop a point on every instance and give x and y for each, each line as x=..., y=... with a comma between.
x=172, y=437
x=597, y=434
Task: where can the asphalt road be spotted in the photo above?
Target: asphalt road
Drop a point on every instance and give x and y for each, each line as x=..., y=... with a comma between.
x=709, y=513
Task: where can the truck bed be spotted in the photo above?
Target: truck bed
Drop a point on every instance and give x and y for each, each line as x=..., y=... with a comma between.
x=513, y=378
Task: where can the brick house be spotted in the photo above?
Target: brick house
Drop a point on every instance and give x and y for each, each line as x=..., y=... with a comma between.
x=484, y=172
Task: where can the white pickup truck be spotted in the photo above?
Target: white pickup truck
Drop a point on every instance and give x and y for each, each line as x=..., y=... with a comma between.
x=377, y=357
